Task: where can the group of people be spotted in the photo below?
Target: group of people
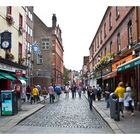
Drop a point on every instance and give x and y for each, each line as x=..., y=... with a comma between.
x=124, y=95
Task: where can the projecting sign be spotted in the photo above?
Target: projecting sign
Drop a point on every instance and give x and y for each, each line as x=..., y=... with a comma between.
x=6, y=40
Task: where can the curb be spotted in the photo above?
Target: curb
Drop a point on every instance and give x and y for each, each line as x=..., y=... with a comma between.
x=112, y=124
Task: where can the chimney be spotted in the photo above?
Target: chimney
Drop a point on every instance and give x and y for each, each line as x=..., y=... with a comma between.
x=54, y=20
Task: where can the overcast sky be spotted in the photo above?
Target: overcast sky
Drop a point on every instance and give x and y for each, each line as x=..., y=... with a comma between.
x=78, y=20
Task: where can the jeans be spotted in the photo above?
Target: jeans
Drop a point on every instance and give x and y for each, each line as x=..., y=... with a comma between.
x=130, y=106
x=51, y=98
x=90, y=103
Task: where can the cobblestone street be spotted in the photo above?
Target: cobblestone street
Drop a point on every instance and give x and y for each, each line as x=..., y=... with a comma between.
x=65, y=116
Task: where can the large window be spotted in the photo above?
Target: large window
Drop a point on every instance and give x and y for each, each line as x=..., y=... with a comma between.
x=117, y=13
x=130, y=32
x=9, y=10
x=110, y=46
x=39, y=59
x=118, y=42
x=104, y=30
x=101, y=36
x=20, y=51
x=20, y=20
x=45, y=44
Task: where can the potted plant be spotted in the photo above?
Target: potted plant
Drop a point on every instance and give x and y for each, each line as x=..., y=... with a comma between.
x=9, y=56
x=9, y=19
x=20, y=30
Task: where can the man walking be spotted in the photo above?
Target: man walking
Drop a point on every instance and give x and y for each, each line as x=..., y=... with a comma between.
x=51, y=93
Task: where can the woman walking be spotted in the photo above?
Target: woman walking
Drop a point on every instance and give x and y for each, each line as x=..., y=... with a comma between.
x=120, y=90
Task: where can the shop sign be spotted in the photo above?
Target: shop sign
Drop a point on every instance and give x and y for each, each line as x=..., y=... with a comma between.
x=18, y=72
x=129, y=65
x=10, y=68
x=122, y=61
x=6, y=40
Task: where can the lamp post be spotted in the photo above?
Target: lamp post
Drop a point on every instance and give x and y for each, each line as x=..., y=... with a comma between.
x=99, y=58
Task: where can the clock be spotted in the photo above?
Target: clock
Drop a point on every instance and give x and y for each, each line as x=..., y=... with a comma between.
x=5, y=44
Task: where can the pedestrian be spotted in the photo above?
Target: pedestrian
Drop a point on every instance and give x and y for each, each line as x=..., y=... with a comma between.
x=120, y=90
x=79, y=90
x=128, y=101
x=94, y=93
x=35, y=94
x=51, y=93
x=44, y=93
x=58, y=91
x=18, y=95
x=28, y=93
x=91, y=96
x=107, y=94
x=67, y=89
x=73, y=90
x=99, y=92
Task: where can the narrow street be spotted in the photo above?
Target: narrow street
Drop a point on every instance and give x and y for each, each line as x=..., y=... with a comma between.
x=65, y=116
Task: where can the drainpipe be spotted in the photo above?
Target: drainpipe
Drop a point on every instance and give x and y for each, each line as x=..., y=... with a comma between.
x=137, y=24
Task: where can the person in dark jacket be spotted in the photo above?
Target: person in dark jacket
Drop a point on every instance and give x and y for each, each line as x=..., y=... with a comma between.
x=91, y=94
x=28, y=92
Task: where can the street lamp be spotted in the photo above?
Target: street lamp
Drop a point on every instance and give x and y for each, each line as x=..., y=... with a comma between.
x=99, y=58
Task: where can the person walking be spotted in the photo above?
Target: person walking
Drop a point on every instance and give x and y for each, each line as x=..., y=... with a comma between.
x=73, y=90
x=94, y=93
x=18, y=95
x=128, y=101
x=91, y=95
x=28, y=93
x=58, y=91
x=107, y=94
x=79, y=90
x=51, y=93
x=67, y=89
x=35, y=94
x=120, y=90
x=44, y=93
x=99, y=91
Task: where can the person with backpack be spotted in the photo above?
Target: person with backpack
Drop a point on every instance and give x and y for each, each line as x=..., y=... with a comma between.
x=128, y=101
x=58, y=91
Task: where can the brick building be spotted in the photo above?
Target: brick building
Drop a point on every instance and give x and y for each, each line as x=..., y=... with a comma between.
x=114, y=51
x=48, y=66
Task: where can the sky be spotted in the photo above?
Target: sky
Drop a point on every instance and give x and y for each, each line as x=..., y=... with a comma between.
x=78, y=20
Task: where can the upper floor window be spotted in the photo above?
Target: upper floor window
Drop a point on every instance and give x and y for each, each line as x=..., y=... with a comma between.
x=9, y=10
x=20, y=20
x=105, y=51
x=117, y=13
x=104, y=30
x=129, y=32
x=19, y=51
x=45, y=44
x=118, y=42
x=110, y=21
x=101, y=36
x=39, y=59
x=98, y=41
x=110, y=46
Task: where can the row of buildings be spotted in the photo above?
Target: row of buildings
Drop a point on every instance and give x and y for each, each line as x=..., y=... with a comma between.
x=20, y=30
x=114, y=53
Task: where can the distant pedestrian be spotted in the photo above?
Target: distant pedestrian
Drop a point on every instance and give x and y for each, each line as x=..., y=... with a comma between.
x=107, y=94
x=99, y=92
x=94, y=93
x=58, y=91
x=18, y=95
x=128, y=101
x=44, y=93
x=67, y=90
x=120, y=90
x=91, y=96
x=28, y=93
x=51, y=93
x=73, y=90
x=35, y=94
x=79, y=91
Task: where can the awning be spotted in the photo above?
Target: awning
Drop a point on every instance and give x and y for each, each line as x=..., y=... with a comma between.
x=130, y=64
x=7, y=76
x=110, y=75
x=19, y=77
x=1, y=77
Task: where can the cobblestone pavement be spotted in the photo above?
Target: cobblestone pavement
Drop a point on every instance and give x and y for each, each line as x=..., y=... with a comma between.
x=64, y=116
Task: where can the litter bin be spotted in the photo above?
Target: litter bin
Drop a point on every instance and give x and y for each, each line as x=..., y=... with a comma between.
x=114, y=107
x=8, y=103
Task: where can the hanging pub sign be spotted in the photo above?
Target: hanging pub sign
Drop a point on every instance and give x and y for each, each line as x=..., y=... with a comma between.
x=6, y=40
x=18, y=72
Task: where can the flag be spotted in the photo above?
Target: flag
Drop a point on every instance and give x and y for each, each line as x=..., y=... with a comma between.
x=35, y=48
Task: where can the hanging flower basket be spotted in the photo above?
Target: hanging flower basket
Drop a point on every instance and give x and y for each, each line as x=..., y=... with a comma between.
x=9, y=19
x=20, y=30
x=9, y=56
